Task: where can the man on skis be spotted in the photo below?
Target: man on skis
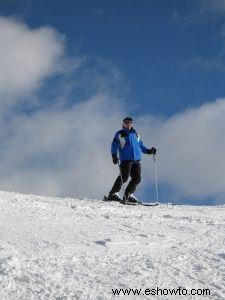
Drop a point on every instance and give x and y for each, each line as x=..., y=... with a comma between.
x=129, y=145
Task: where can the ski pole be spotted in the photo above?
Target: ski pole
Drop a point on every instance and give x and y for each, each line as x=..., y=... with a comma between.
x=121, y=177
x=156, y=179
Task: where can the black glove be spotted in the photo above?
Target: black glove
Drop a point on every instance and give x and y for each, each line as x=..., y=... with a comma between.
x=115, y=159
x=151, y=151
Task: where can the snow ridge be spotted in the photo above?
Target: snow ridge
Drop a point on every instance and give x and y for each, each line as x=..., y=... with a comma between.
x=65, y=248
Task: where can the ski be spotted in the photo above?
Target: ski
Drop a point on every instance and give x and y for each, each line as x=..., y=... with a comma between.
x=150, y=203
x=140, y=203
x=106, y=199
x=130, y=203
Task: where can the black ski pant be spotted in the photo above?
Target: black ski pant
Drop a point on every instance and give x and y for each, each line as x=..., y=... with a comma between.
x=128, y=168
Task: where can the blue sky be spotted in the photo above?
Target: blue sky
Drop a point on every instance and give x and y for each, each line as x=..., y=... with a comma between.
x=161, y=47
x=159, y=61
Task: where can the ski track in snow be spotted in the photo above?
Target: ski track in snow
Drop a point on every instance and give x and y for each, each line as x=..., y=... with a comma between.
x=64, y=248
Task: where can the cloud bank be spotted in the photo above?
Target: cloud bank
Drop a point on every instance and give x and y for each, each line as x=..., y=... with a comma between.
x=61, y=152
x=28, y=56
x=63, y=148
x=191, y=151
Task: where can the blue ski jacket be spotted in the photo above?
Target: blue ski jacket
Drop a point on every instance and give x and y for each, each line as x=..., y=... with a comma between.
x=129, y=145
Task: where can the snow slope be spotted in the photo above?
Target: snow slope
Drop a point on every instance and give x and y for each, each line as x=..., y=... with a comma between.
x=63, y=248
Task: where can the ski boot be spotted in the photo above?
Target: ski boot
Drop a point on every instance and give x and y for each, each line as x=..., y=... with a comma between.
x=133, y=199
x=130, y=199
x=113, y=197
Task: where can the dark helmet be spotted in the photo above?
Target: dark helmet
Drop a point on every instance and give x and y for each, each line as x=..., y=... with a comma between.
x=128, y=119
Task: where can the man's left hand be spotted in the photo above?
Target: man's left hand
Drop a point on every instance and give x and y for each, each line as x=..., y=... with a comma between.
x=151, y=151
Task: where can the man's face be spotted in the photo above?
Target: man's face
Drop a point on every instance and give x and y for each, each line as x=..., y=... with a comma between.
x=127, y=124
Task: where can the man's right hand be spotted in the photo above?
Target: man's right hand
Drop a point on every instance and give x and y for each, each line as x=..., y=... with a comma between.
x=115, y=159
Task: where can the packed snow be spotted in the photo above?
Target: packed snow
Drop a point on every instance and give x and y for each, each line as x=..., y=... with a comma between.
x=65, y=248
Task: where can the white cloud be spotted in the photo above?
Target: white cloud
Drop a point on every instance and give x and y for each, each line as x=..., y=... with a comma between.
x=208, y=64
x=202, y=11
x=28, y=56
x=212, y=6
x=61, y=152
x=192, y=150
x=206, y=12
x=60, y=148
x=67, y=152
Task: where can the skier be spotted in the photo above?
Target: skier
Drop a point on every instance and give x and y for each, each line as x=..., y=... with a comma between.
x=129, y=145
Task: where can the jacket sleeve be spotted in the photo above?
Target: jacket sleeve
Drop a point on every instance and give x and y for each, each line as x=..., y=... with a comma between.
x=142, y=146
x=115, y=145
